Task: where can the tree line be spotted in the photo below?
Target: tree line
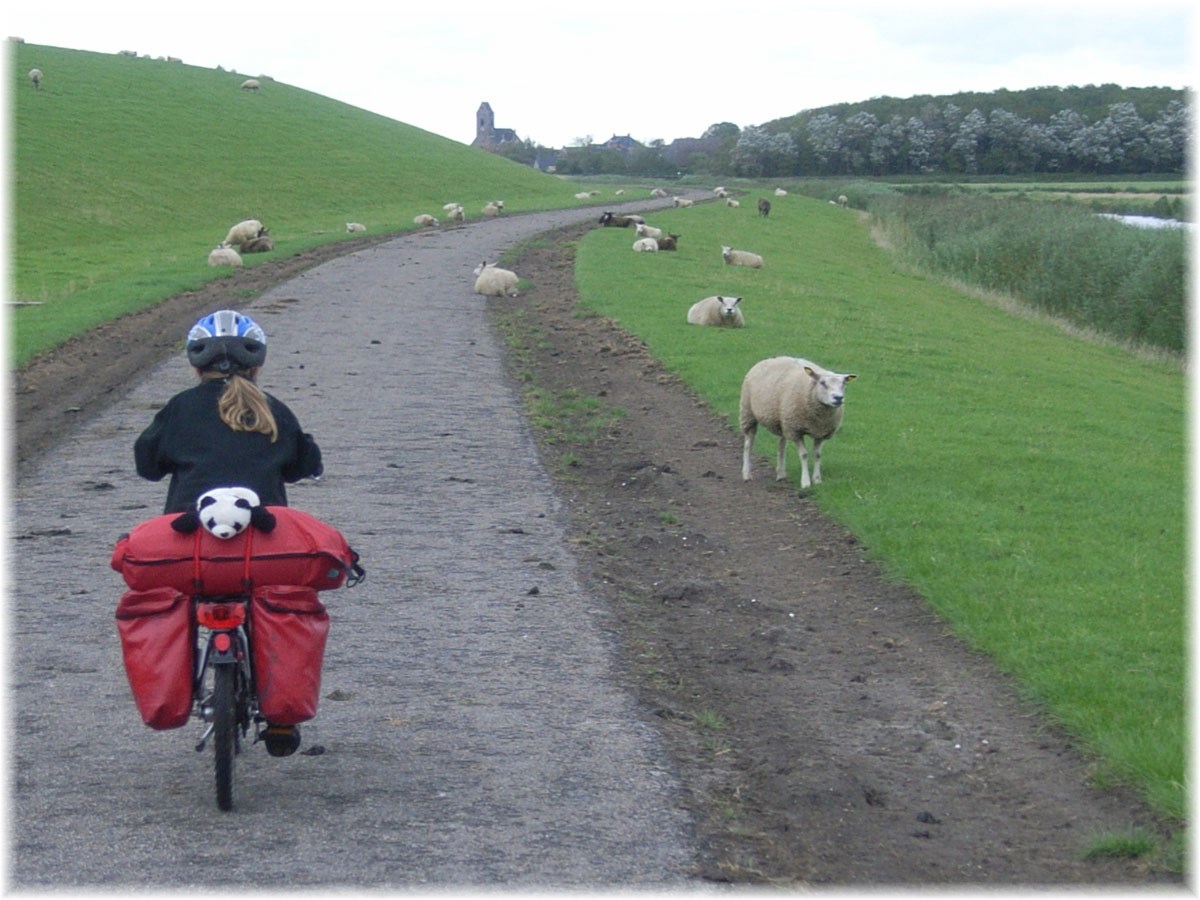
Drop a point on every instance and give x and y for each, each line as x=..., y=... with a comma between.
x=1101, y=130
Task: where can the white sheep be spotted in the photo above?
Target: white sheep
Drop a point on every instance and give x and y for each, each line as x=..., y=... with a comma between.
x=732, y=202
x=791, y=398
x=35, y=78
x=658, y=193
x=780, y=192
x=717, y=311
x=491, y=210
x=681, y=201
x=224, y=256
x=424, y=219
x=450, y=207
x=244, y=231
x=250, y=84
x=644, y=230
x=842, y=200
x=583, y=195
x=741, y=258
x=492, y=281
x=353, y=227
x=645, y=245
x=457, y=214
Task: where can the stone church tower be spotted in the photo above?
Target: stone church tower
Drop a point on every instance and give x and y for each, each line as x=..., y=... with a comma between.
x=487, y=135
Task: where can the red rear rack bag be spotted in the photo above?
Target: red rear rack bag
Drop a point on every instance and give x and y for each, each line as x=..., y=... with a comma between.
x=300, y=550
x=157, y=646
x=288, y=628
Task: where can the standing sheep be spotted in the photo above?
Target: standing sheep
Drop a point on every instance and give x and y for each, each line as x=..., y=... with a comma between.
x=250, y=84
x=842, y=200
x=791, y=398
x=721, y=312
x=35, y=78
x=243, y=231
x=495, y=282
x=741, y=258
x=764, y=207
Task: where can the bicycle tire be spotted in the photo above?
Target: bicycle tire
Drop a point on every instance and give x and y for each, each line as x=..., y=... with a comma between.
x=224, y=733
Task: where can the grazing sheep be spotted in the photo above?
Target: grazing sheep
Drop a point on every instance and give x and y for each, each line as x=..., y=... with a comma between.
x=791, y=398
x=645, y=245
x=353, y=227
x=263, y=244
x=732, y=202
x=721, y=312
x=780, y=192
x=35, y=78
x=842, y=200
x=250, y=84
x=424, y=219
x=224, y=256
x=495, y=282
x=644, y=230
x=608, y=220
x=741, y=258
x=668, y=242
x=681, y=201
x=244, y=231
x=764, y=207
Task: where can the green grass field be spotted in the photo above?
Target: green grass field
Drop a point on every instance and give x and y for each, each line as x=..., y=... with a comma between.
x=1030, y=484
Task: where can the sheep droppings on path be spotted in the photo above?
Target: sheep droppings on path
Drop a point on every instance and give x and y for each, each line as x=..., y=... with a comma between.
x=791, y=398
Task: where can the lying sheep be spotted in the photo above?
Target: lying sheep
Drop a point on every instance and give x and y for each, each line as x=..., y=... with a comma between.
x=224, y=256
x=424, y=219
x=644, y=230
x=741, y=258
x=491, y=210
x=668, y=242
x=451, y=206
x=35, y=78
x=791, y=398
x=457, y=214
x=608, y=220
x=732, y=202
x=243, y=231
x=250, y=84
x=583, y=195
x=764, y=207
x=682, y=202
x=721, y=312
x=780, y=192
x=658, y=192
x=645, y=245
x=353, y=227
x=262, y=244
x=492, y=281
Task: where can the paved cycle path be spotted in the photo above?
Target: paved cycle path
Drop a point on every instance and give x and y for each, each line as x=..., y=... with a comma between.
x=480, y=737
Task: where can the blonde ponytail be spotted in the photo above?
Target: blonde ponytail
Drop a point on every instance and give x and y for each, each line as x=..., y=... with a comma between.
x=243, y=406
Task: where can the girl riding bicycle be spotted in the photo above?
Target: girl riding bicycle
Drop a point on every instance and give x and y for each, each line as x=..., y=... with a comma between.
x=226, y=430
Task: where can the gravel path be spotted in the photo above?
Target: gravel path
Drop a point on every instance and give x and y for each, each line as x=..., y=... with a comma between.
x=479, y=736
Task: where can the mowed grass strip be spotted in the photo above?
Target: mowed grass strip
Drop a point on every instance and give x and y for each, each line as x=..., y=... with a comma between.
x=1028, y=483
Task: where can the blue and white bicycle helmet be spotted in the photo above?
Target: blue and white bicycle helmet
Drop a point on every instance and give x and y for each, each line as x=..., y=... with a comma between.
x=226, y=341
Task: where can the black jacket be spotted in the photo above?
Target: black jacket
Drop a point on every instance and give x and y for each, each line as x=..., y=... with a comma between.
x=188, y=441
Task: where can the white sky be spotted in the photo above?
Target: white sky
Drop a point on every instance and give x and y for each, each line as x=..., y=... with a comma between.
x=557, y=71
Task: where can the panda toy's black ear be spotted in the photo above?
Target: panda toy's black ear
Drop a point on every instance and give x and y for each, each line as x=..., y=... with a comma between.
x=187, y=522
x=262, y=518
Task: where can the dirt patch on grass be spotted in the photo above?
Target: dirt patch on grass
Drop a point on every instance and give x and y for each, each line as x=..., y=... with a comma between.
x=827, y=729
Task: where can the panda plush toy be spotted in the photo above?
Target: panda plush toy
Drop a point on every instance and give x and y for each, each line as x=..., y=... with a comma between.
x=226, y=513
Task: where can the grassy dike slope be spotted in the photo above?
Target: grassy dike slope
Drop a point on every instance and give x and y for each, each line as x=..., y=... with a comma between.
x=1029, y=483
x=127, y=171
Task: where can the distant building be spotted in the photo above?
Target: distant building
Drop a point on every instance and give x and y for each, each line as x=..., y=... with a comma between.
x=487, y=135
x=622, y=143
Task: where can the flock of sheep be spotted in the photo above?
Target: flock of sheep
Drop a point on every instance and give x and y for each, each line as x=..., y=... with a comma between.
x=792, y=398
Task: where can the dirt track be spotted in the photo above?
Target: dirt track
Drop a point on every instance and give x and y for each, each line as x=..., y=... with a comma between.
x=546, y=684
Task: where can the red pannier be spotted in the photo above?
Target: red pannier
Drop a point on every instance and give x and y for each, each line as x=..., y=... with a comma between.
x=157, y=645
x=288, y=628
x=300, y=550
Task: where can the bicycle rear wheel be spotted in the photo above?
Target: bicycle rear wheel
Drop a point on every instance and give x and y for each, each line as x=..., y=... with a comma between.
x=224, y=733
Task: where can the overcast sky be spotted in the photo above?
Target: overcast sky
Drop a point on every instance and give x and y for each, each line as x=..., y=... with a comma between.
x=557, y=71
